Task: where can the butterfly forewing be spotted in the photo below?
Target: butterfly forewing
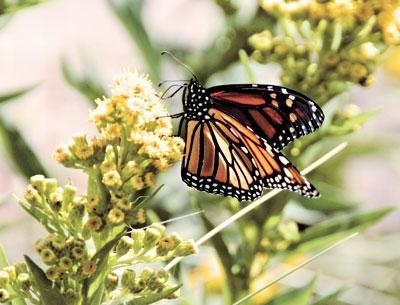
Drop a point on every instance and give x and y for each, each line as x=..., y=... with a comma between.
x=214, y=161
x=277, y=114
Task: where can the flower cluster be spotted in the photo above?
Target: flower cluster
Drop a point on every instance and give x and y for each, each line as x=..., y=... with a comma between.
x=323, y=45
x=89, y=235
x=144, y=245
x=14, y=280
x=386, y=13
x=66, y=256
x=135, y=131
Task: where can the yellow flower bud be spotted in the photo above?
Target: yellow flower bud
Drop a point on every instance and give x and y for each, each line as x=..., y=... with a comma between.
x=159, y=227
x=138, y=238
x=63, y=155
x=50, y=186
x=151, y=237
x=53, y=273
x=37, y=182
x=116, y=216
x=124, y=245
x=128, y=279
x=111, y=281
x=146, y=274
x=55, y=200
x=65, y=263
x=186, y=248
x=4, y=296
x=124, y=204
x=4, y=278
x=12, y=273
x=47, y=256
x=150, y=179
x=24, y=281
x=112, y=179
x=78, y=252
x=32, y=195
x=68, y=194
x=89, y=268
x=94, y=223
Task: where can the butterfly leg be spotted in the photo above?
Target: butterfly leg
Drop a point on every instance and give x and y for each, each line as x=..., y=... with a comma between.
x=172, y=116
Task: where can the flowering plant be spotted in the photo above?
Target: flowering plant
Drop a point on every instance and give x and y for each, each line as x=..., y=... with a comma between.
x=96, y=239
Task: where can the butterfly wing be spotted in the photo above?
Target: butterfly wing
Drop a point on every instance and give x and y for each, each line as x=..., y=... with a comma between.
x=222, y=156
x=277, y=114
x=215, y=162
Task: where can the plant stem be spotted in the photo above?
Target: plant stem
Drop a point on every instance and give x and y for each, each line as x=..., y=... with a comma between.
x=277, y=279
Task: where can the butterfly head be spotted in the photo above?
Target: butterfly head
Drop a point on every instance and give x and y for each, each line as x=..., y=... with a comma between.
x=196, y=101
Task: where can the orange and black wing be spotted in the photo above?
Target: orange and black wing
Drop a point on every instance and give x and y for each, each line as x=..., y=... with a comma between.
x=216, y=161
x=277, y=114
x=223, y=156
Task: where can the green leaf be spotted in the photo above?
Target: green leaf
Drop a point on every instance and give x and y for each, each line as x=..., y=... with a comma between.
x=348, y=224
x=330, y=299
x=321, y=235
x=92, y=284
x=88, y=84
x=49, y=295
x=19, y=151
x=98, y=296
x=298, y=296
x=129, y=14
x=3, y=258
x=51, y=225
x=15, y=94
x=244, y=58
x=153, y=297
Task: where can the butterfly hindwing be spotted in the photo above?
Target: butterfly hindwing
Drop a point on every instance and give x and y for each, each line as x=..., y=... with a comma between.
x=273, y=168
x=277, y=114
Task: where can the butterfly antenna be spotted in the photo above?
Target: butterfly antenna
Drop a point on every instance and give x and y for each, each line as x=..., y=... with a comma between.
x=171, y=81
x=179, y=62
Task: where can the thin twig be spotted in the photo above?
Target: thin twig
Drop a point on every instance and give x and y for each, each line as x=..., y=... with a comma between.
x=176, y=218
x=256, y=203
x=294, y=269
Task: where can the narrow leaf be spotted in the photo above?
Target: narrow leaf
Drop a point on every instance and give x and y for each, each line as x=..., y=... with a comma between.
x=88, y=84
x=298, y=296
x=98, y=296
x=15, y=94
x=348, y=224
x=244, y=58
x=49, y=295
x=319, y=236
x=330, y=299
x=3, y=258
x=19, y=151
x=129, y=14
x=154, y=297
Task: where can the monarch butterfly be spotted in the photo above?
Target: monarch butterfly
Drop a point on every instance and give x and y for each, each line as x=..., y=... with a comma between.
x=234, y=135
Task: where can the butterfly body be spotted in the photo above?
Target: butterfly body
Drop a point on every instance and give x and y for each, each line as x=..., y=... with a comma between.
x=234, y=134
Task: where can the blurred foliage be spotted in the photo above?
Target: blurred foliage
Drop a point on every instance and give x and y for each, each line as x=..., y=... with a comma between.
x=323, y=48
x=88, y=84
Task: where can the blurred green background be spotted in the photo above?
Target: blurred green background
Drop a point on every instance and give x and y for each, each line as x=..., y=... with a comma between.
x=56, y=57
